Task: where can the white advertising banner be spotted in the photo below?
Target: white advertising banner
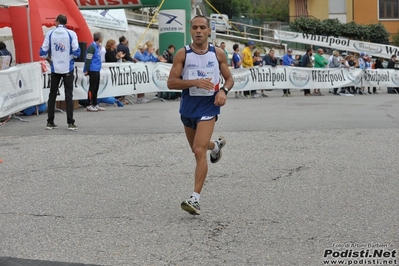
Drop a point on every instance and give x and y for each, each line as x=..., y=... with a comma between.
x=172, y=20
x=106, y=18
x=20, y=87
x=380, y=78
x=132, y=78
x=340, y=43
x=25, y=85
x=257, y=78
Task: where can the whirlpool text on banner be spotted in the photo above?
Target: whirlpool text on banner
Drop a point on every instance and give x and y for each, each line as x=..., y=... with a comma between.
x=132, y=78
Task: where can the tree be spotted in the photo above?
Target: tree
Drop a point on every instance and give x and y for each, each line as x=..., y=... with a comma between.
x=271, y=10
x=333, y=27
x=395, y=38
x=232, y=7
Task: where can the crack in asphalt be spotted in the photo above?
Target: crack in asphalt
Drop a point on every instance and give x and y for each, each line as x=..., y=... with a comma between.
x=290, y=173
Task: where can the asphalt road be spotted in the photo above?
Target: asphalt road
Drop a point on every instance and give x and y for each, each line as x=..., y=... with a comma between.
x=299, y=177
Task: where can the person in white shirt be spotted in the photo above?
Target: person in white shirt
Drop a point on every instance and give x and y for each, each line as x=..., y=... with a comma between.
x=61, y=48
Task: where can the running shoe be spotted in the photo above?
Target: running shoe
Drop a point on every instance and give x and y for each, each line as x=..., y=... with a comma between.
x=215, y=157
x=191, y=206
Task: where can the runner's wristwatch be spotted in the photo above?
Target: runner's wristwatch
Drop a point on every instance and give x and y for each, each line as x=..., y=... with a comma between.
x=226, y=90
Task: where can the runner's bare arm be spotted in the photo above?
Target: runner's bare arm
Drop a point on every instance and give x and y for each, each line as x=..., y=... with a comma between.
x=176, y=83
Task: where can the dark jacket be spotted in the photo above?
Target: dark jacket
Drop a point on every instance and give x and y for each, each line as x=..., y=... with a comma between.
x=110, y=56
x=391, y=64
x=378, y=64
x=306, y=61
x=268, y=61
x=124, y=49
x=6, y=52
x=168, y=56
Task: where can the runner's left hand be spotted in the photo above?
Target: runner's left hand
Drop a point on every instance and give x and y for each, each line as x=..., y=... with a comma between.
x=220, y=98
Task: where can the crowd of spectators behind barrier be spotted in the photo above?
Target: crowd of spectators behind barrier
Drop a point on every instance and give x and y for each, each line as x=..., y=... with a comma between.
x=250, y=56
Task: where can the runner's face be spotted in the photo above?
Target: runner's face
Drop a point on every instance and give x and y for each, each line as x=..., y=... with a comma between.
x=199, y=31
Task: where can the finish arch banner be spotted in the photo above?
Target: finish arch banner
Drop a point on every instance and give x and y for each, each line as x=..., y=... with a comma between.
x=107, y=4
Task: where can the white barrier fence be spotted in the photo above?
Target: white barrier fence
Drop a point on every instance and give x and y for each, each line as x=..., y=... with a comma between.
x=339, y=43
x=24, y=86
x=20, y=87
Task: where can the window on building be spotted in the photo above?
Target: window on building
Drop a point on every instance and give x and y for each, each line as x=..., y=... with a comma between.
x=388, y=9
x=337, y=6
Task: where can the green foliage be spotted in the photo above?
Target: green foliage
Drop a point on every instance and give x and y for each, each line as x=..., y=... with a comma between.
x=257, y=10
x=231, y=7
x=333, y=27
x=271, y=10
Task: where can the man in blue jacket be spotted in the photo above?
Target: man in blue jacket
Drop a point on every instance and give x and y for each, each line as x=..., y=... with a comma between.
x=92, y=68
x=288, y=61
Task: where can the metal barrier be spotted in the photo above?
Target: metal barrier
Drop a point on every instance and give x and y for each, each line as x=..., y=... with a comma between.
x=239, y=31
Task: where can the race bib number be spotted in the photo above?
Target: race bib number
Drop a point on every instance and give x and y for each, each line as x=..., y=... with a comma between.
x=200, y=74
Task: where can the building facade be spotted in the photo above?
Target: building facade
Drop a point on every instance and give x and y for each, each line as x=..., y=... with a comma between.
x=385, y=12
x=322, y=9
x=365, y=12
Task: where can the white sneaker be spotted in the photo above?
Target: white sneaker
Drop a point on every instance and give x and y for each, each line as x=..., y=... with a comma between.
x=99, y=108
x=91, y=108
x=215, y=157
x=142, y=100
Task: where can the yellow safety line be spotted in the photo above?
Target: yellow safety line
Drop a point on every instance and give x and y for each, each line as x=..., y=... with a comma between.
x=151, y=22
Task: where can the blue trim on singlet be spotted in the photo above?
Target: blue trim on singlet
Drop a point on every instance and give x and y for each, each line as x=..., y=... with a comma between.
x=198, y=106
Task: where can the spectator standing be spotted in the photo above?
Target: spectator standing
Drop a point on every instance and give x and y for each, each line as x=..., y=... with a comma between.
x=149, y=57
x=248, y=61
x=288, y=61
x=169, y=54
x=335, y=62
x=142, y=56
x=307, y=62
x=103, y=52
x=92, y=68
x=363, y=66
x=378, y=65
x=62, y=66
x=258, y=62
x=319, y=62
x=270, y=59
x=111, y=56
x=297, y=60
x=5, y=52
x=350, y=63
x=223, y=47
x=123, y=47
x=237, y=63
x=367, y=61
x=391, y=65
x=202, y=98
